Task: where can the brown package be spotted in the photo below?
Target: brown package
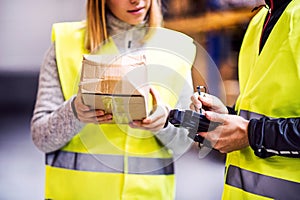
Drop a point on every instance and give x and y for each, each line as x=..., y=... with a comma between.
x=117, y=85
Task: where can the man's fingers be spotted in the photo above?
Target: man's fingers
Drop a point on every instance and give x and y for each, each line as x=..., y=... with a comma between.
x=206, y=100
x=196, y=104
x=215, y=117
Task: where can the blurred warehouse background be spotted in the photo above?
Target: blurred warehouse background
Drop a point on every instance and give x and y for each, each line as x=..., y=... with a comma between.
x=25, y=35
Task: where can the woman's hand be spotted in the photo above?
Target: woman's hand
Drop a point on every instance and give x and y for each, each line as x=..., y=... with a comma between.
x=87, y=115
x=157, y=119
x=207, y=102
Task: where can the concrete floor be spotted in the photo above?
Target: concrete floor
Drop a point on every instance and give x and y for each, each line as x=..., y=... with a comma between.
x=21, y=164
x=200, y=178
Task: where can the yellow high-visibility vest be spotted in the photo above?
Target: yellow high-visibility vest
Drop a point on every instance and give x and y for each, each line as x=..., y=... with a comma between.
x=109, y=161
x=269, y=85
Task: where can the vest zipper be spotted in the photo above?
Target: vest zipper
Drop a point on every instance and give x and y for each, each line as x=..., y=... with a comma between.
x=267, y=21
x=128, y=39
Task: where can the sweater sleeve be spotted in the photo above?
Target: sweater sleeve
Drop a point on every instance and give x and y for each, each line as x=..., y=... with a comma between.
x=53, y=123
x=175, y=138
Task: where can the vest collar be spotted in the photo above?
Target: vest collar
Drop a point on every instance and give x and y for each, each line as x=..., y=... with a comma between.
x=276, y=4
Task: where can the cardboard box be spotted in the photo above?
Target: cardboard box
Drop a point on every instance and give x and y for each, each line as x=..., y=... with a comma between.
x=117, y=85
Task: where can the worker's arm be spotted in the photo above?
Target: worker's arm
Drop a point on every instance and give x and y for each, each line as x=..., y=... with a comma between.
x=268, y=137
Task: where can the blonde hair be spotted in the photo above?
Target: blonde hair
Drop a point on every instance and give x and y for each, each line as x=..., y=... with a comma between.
x=96, y=31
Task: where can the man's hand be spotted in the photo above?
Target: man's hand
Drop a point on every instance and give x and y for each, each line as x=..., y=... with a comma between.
x=208, y=103
x=231, y=135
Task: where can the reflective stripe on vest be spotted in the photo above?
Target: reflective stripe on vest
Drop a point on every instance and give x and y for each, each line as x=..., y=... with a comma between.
x=261, y=184
x=110, y=163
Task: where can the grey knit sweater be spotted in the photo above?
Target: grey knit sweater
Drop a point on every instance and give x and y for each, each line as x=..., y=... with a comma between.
x=54, y=124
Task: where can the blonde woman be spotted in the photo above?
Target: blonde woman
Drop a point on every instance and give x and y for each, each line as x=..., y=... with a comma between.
x=87, y=157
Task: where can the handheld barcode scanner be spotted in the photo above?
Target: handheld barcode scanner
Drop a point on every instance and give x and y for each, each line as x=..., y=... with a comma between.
x=193, y=121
